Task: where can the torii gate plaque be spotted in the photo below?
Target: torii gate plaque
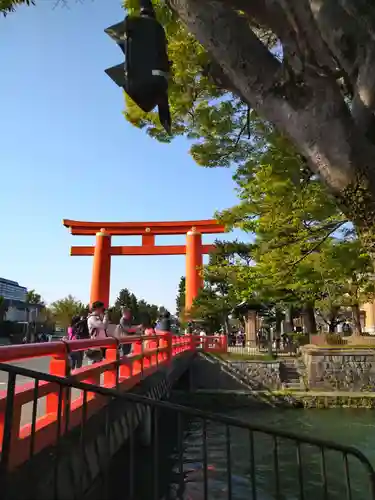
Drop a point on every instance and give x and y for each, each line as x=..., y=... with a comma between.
x=103, y=249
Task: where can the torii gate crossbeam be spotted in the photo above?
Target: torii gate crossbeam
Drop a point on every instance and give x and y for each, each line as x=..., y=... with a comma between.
x=103, y=249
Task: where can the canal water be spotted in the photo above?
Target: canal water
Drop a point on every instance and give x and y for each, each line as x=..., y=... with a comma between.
x=345, y=426
x=163, y=472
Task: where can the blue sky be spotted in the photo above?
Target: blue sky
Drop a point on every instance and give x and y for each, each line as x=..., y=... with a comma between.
x=67, y=152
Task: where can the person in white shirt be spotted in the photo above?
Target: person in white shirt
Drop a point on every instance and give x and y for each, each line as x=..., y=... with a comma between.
x=97, y=323
x=202, y=335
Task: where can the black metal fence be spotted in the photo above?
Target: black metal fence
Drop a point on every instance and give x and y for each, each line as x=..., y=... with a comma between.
x=175, y=453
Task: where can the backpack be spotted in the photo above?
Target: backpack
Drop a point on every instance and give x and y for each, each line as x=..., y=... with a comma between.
x=80, y=330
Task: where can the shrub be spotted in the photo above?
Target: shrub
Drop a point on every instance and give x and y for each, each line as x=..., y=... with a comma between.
x=299, y=339
x=335, y=339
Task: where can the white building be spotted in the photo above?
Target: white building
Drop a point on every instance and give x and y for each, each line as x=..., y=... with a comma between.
x=16, y=300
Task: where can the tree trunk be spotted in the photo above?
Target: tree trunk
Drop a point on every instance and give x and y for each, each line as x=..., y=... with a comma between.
x=332, y=326
x=332, y=318
x=279, y=318
x=289, y=325
x=226, y=324
x=309, y=318
x=356, y=314
x=306, y=105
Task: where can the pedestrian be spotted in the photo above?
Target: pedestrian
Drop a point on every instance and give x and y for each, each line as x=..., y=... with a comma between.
x=97, y=323
x=164, y=323
x=125, y=329
x=76, y=357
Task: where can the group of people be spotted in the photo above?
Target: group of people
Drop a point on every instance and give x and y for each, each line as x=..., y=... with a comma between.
x=95, y=326
x=237, y=338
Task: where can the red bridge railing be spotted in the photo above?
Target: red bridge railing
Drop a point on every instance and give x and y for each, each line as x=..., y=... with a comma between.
x=114, y=371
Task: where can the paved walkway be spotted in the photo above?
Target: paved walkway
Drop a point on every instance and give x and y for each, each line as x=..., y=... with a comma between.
x=37, y=364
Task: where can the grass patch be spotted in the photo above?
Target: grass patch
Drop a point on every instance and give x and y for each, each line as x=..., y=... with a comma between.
x=232, y=356
x=345, y=347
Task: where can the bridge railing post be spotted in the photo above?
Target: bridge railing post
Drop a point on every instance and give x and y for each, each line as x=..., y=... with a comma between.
x=111, y=376
x=192, y=343
x=170, y=352
x=161, y=344
x=137, y=364
x=224, y=343
x=59, y=366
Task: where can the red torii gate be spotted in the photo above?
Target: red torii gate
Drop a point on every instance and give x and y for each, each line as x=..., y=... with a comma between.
x=103, y=249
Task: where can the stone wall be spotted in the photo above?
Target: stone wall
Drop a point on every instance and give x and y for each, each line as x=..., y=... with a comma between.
x=343, y=369
x=259, y=374
x=353, y=340
x=208, y=372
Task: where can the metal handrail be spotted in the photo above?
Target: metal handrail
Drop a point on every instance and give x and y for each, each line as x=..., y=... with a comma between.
x=228, y=423
x=150, y=353
x=71, y=383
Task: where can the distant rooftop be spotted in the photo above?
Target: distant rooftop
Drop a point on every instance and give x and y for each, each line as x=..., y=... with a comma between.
x=9, y=282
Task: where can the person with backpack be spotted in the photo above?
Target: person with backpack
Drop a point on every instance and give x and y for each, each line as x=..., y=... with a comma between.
x=164, y=323
x=97, y=323
x=125, y=329
x=76, y=358
x=81, y=328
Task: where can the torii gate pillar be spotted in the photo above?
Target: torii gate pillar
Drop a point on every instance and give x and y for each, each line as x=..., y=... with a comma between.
x=101, y=271
x=194, y=262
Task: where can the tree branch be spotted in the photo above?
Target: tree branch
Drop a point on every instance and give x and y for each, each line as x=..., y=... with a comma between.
x=363, y=12
x=348, y=27
x=316, y=246
x=340, y=32
x=227, y=36
x=363, y=105
x=311, y=111
x=312, y=48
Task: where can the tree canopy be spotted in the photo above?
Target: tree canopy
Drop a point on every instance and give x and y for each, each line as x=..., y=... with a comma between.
x=306, y=69
x=63, y=310
x=285, y=91
x=33, y=297
x=138, y=307
x=180, y=299
x=305, y=255
x=221, y=292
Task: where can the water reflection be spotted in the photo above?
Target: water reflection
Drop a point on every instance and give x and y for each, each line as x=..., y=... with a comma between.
x=276, y=466
x=225, y=468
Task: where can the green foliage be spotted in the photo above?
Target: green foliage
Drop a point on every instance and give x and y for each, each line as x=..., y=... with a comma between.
x=220, y=293
x=304, y=251
x=299, y=339
x=293, y=216
x=180, y=299
x=232, y=356
x=145, y=308
x=7, y=6
x=63, y=310
x=34, y=298
x=138, y=307
x=214, y=119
